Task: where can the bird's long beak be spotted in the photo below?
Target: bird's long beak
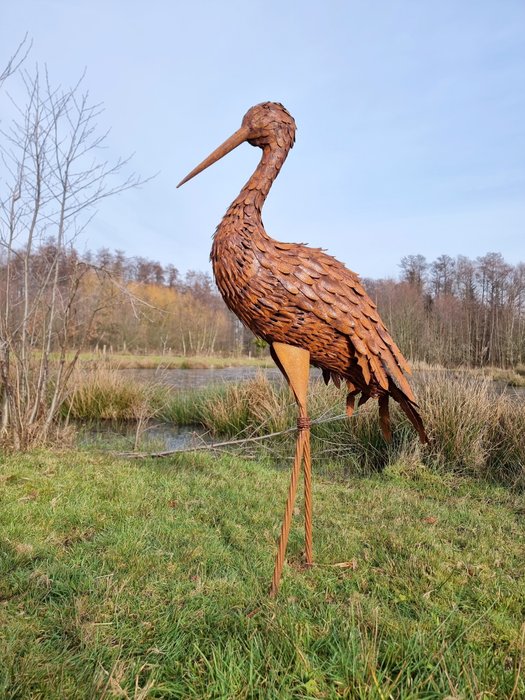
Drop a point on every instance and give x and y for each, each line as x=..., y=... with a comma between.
x=235, y=140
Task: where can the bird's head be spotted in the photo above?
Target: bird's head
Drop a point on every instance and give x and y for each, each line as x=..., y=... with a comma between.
x=264, y=125
x=267, y=123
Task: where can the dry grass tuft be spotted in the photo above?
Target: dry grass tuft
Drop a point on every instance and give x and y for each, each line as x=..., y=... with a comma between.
x=458, y=411
x=102, y=393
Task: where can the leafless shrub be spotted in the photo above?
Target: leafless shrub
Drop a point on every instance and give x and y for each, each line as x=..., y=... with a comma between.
x=51, y=180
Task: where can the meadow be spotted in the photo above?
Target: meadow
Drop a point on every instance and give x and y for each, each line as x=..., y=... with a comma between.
x=128, y=577
x=148, y=578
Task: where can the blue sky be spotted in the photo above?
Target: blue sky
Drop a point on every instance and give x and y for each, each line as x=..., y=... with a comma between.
x=410, y=114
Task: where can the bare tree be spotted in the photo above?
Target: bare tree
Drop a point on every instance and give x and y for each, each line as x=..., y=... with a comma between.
x=51, y=180
x=442, y=272
x=16, y=59
x=413, y=270
x=493, y=274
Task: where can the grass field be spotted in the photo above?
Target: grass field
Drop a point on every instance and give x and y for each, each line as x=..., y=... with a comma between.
x=148, y=580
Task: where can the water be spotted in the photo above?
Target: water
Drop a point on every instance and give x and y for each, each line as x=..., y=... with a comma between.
x=515, y=392
x=201, y=378
x=175, y=437
x=154, y=436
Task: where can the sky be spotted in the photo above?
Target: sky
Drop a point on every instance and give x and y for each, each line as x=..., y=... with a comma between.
x=410, y=115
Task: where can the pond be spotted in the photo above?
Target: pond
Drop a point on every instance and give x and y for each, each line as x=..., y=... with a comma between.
x=200, y=378
x=156, y=436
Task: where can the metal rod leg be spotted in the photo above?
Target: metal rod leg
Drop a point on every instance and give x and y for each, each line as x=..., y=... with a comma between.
x=285, y=528
x=308, y=546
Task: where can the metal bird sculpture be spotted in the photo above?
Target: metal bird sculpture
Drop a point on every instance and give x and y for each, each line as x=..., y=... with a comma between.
x=305, y=304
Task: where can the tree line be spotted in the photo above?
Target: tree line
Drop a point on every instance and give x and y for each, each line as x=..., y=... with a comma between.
x=120, y=303
x=450, y=311
x=456, y=311
x=153, y=308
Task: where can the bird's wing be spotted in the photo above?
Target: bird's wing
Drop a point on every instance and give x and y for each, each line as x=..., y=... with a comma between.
x=322, y=285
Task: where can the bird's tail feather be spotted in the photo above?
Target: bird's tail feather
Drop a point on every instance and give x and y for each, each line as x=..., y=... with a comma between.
x=384, y=417
x=409, y=408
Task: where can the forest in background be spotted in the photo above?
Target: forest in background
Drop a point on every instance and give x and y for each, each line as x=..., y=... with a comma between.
x=450, y=311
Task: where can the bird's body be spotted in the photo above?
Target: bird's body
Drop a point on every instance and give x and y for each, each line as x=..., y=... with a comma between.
x=307, y=305
x=295, y=294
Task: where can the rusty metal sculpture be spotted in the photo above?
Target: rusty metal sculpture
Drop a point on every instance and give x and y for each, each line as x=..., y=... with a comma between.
x=308, y=306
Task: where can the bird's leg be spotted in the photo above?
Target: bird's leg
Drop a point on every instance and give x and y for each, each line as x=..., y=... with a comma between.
x=294, y=363
x=308, y=544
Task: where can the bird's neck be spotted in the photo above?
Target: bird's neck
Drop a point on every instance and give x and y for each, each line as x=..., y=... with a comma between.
x=248, y=204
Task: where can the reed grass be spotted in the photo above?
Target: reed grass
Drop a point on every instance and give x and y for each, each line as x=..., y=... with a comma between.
x=459, y=410
x=255, y=406
x=187, y=406
x=473, y=429
x=102, y=393
x=506, y=459
x=259, y=406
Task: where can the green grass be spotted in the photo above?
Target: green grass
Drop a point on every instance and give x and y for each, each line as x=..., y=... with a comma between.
x=149, y=580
